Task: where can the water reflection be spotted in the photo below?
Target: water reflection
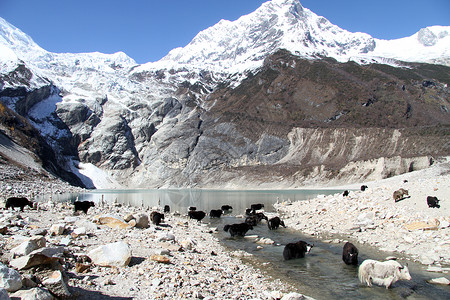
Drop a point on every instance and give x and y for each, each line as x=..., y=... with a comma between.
x=181, y=199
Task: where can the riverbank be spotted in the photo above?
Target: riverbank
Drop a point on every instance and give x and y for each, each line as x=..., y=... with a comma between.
x=179, y=259
x=372, y=216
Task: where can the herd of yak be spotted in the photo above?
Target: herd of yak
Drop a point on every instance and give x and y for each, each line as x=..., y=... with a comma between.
x=369, y=272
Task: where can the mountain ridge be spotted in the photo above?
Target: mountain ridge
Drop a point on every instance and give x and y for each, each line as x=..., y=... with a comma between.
x=183, y=120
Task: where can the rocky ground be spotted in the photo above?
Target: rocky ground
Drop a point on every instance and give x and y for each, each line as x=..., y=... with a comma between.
x=112, y=252
x=372, y=216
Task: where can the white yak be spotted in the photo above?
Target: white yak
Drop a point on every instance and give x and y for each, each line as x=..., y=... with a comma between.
x=382, y=273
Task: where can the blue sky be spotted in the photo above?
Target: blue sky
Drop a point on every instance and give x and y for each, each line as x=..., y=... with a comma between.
x=147, y=30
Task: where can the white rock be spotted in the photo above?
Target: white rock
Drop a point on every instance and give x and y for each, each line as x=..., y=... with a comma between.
x=163, y=237
x=293, y=296
x=141, y=220
x=80, y=231
x=440, y=280
x=29, y=246
x=444, y=224
x=116, y=254
x=265, y=241
x=33, y=294
x=253, y=236
x=436, y=269
x=187, y=244
x=10, y=279
x=57, y=229
x=71, y=220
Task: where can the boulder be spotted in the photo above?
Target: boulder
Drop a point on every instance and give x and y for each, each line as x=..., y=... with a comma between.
x=141, y=220
x=39, y=231
x=71, y=219
x=29, y=281
x=38, y=257
x=29, y=246
x=128, y=218
x=116, y=254
x=293, y=296
x=78, y=231
x=265, y=241
x=165, y=237
x=187, y=244
x=160, y=258
x=56, y=285
x=57, y=229
x=111, y=221
x=4, y=294
x=10, y=279
x=440, y=280
x=33, y=294
x=88, y=225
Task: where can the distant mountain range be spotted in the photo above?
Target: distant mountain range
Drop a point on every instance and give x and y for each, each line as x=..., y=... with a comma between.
x=278, y=98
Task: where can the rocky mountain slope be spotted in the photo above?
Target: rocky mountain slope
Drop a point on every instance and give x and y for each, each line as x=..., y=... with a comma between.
x=285, y=98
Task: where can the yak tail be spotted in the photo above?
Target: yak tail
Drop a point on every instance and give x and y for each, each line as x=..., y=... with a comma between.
x=226, y=227
x=364, y=273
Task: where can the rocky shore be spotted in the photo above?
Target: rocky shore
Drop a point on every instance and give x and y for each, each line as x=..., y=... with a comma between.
x=372, y=216
x=114, y=251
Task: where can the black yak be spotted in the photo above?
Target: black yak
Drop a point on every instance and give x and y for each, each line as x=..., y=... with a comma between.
x=274, y=223
x=226, y=208
x=18, y=202
x=433, y=202
x=197, y=215
x=296, y=250
x=166, y=209
x=215, y=213
x=83, y=205
x=350, y=254
x=238, y=229
x=156, y=217
x=256, y=206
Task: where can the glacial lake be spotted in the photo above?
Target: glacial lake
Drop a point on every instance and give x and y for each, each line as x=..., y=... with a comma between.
x=203, y=199
x=321, y=274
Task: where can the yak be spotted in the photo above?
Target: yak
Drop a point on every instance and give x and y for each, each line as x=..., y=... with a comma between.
x=296, y=250
x=433, y=202
x=156, y=217
x=226, y=208
x=215, y=213
x=83, y=205
x=350, y=254
x=237, y=229
x=382, y=273
x=400, y=194
x=197, y=215
x=274, y=223
x=256, y=206
x=18, y=202
x=166, y=209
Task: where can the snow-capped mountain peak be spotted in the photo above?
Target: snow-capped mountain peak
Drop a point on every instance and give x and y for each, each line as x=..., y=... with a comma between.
x=243, y=44
x=236, y=46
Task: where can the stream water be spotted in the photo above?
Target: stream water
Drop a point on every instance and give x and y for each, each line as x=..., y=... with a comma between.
x=321, y=274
